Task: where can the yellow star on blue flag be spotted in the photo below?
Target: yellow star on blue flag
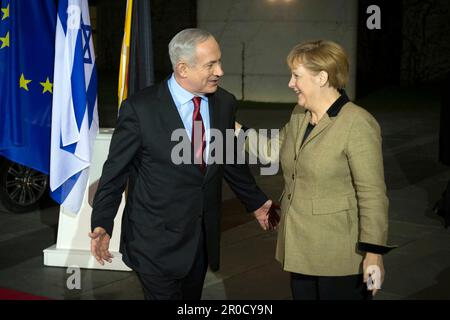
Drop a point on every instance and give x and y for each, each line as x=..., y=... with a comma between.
x=24, y=82
x=5, y=41
x=5, y=12
x=48, y=86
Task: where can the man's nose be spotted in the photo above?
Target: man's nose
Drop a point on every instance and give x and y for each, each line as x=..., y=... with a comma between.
x=218, y=71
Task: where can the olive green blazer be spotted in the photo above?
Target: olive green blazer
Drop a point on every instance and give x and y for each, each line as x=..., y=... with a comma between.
x=334, y=192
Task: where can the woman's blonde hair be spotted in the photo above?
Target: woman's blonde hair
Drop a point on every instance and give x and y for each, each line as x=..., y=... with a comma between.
x=319, y=56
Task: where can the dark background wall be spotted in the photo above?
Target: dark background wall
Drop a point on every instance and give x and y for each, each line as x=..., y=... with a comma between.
x=426, y=41
x=168, y=18
x=412, y=48
x=379, y=51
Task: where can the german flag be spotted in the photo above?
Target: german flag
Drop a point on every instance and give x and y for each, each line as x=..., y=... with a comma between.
x=136, y=62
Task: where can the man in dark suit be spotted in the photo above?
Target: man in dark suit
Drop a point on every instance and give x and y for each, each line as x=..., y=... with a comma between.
x=171, y=222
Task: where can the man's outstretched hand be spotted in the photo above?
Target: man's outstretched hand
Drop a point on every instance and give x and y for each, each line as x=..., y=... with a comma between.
x=100, y=245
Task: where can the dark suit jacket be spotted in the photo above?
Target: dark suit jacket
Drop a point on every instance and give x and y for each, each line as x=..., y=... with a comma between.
x=167, y=203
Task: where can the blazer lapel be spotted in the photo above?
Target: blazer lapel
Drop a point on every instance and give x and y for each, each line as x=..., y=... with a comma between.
x=303, y=124
x=322, y=125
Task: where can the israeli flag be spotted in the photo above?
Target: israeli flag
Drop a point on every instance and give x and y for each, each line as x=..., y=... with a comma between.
x=74, y=114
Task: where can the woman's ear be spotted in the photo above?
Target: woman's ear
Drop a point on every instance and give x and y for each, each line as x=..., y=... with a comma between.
x=323, y=78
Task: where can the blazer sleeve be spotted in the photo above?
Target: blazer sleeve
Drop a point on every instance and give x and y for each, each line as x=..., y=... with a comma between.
x=266, y=149
x=125, y=143
x=240, y=178
x=365, y=158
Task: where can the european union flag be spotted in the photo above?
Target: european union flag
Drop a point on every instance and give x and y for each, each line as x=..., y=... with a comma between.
x=27, y=51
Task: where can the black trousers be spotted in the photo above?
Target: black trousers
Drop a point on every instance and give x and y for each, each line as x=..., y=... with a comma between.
x=157, y=287
x=305, y=287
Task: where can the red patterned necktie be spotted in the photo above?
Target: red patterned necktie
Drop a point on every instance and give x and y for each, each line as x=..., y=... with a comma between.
x=198, y=134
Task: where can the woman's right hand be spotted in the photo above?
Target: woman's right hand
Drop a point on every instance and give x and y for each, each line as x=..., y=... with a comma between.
x=373, y=271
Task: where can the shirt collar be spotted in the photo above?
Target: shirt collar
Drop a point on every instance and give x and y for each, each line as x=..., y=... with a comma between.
x=180, y=95
x=338, y=104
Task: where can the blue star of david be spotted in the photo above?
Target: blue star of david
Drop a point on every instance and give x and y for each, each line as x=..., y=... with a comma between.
x=86, y=31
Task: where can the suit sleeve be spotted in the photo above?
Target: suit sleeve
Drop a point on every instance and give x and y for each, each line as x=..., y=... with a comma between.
x=125, y=144
x=242, y=182
x=366, y=164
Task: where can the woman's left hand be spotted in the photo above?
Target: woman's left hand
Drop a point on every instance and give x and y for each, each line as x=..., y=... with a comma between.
x=373, y=271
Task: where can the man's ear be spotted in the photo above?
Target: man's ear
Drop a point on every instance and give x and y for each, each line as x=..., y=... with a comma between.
x=182, y=69
x=322, y=78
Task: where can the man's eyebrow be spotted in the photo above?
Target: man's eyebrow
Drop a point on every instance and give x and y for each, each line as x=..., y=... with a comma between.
x=211, y=62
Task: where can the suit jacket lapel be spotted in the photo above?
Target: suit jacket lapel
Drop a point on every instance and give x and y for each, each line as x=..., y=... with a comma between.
x=168, y=112
x=171, y=120
x=213, y=111
x=213, y=105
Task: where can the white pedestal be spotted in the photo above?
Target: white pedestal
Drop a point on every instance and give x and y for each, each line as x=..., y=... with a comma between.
x=72, y=247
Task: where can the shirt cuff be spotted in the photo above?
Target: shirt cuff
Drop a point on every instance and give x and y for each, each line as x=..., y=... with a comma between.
x=105, y=224
x=374, y=248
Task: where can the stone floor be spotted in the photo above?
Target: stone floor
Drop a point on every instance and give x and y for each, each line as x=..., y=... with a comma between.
x=418, y=269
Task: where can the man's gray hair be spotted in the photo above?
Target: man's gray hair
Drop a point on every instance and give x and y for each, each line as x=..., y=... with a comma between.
x=183, y=45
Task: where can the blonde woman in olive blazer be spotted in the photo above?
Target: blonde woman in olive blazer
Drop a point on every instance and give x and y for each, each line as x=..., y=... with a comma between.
x=334, y=209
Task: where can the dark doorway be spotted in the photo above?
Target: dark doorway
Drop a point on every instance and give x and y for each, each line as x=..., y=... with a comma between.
x=379, y=50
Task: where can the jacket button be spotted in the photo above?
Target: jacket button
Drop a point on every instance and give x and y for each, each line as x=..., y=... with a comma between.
x=295, y=158
x=289, y=196
x=293, y=176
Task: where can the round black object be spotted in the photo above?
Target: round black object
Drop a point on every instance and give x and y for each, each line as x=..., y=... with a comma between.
x=21, y=188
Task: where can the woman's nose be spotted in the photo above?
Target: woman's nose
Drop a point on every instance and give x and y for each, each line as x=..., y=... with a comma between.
x=291, y=83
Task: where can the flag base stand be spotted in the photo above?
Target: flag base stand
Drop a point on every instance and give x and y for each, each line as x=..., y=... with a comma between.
x=72, y=248
x=82, y=259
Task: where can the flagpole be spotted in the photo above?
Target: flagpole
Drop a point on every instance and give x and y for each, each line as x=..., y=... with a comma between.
x=125, y=55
